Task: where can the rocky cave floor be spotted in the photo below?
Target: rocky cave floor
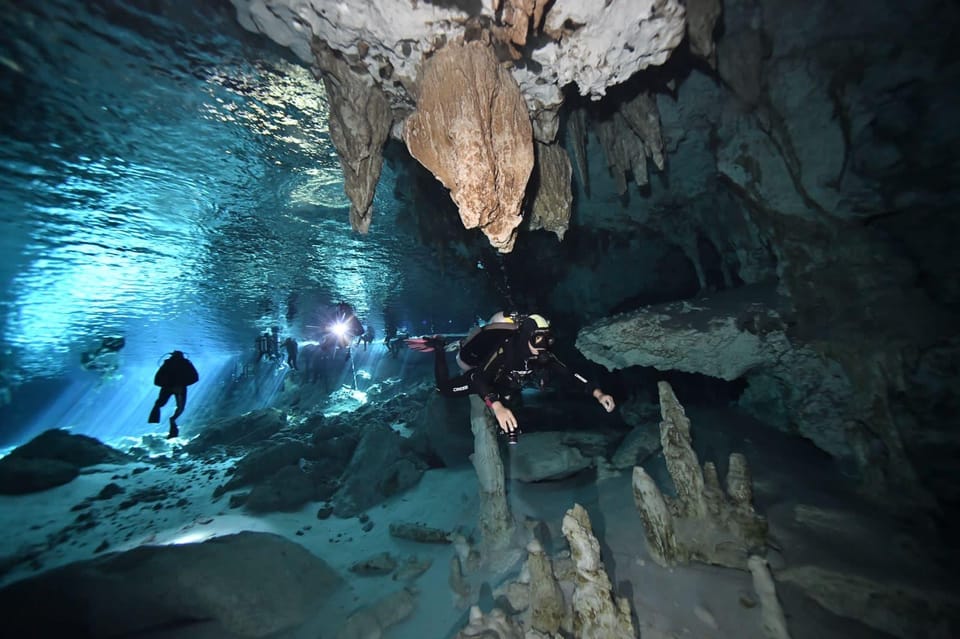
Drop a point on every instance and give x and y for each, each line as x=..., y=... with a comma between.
x=817, y=521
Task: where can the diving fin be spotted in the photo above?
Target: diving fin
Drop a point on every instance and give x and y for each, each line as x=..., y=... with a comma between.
x=425, y=344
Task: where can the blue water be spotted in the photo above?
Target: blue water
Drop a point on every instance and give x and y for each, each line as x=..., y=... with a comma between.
x=169, y=178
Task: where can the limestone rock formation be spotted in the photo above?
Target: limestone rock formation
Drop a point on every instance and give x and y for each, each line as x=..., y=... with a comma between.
x=52, y=458
x=244, y=585
x=553, y=198
x=596, y=613
x=733, y=335
x=896, y=609
x=375, y=619
x=547, y=608
x=379, y=468
x=548, y=455
x=629, y=136
x=493, y=625
x=376, y=59
x=702, y=18
x=496, y=522
x=360, y=121
x=703, y=522
x=774, y=622
x=594, y=44
x=472, y=130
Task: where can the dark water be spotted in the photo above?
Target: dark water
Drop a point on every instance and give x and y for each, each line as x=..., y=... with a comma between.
x=167, y=177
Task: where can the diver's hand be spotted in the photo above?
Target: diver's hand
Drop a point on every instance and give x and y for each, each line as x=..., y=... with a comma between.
x=605, y=400
x=505, y=417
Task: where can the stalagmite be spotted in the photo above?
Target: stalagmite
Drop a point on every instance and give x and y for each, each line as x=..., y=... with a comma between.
x=739, y=482
x=551, y=204
x=546, y=598
x=657, y=522
x=359, y=124
x=681, y=461
x=774, y=623
x=703, y=522
x=496, y=522
x=472, y=131
x=596, y=614
x=494, y=625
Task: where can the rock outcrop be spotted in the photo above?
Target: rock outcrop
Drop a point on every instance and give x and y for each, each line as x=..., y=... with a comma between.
x=243, y=585
x=735, y=335
x=375, y=619
x=703, y=522
x=52, y=458
x=472, y=130
x=553, y=455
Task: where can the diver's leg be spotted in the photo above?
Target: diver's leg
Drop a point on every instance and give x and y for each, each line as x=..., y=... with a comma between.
x=180, y=395
x=458, y=386
x=162, y=400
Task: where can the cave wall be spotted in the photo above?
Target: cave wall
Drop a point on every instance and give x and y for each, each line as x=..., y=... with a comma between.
x=817, y=155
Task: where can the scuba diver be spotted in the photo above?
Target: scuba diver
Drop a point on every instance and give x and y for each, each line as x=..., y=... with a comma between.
x=498, y=359
x=105, y=358
x=175, y=374
x=291, y=346
x=345, y=326
x=368, y=336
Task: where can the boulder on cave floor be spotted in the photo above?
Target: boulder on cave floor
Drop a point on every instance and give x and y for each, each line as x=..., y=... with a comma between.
x=244, y=585
x=51, y=459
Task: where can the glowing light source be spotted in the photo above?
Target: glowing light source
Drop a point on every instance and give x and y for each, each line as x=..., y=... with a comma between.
x=339, y=328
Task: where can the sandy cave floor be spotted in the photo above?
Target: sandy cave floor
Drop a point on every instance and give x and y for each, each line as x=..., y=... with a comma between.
x=696, y=601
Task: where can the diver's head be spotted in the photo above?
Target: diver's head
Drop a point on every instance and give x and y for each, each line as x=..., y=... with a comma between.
x=176, y=355
x=535, y=331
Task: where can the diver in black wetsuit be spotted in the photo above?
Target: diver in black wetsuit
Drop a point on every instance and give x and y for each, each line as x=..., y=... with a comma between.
x=511, y=363
x=175, y=374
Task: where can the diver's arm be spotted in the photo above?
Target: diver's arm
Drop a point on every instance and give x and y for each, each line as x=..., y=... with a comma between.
x=482, y=384
x=558, y=367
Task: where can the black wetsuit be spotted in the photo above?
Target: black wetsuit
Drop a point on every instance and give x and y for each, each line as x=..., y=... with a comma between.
x=173, y=377
x=506, y=370
x=291, y=345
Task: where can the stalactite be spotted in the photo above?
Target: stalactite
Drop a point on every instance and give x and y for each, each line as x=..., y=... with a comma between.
x=551, y=203
x=360, y=121
x=577, y=138
x=472, y=130
x=702, y=18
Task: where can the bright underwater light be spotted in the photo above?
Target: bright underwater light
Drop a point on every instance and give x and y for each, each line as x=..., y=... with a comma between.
x=339, y=328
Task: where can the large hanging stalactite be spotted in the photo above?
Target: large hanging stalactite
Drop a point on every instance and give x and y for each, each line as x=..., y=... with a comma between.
x=552, y=201
x=472, y=131
x=359, y=124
